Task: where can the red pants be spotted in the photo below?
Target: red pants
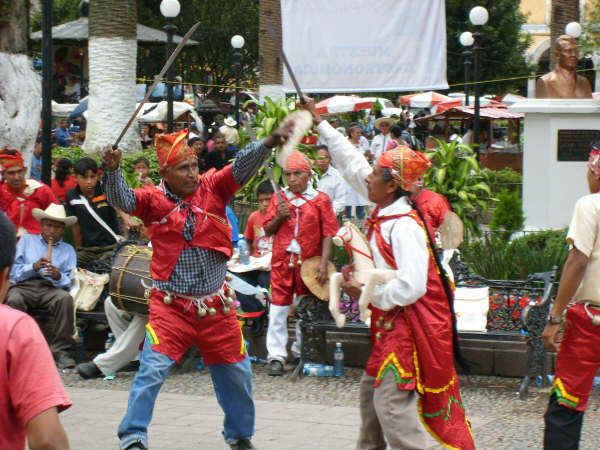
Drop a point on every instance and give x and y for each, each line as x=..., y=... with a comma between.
x=173, y=329
x=285, y=282
x=578, y=359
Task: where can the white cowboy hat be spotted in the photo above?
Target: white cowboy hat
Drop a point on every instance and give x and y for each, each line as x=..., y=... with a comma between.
x=230, y=121
x=54, y=212
x=391, y=121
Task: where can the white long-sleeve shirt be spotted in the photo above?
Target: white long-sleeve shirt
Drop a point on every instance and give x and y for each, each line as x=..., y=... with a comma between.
x=379, y=144
x=334, y=186
x=406, y=236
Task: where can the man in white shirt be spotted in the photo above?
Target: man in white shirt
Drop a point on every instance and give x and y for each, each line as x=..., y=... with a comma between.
x=578, y=358
x=410, y=371
x=331, y=182
x=380, y=142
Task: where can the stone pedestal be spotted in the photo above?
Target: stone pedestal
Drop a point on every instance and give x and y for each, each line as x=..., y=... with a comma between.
x=557, y=137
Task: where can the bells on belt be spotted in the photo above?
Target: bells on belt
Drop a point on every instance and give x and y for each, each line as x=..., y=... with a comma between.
x=168, y=298
x=294, y=249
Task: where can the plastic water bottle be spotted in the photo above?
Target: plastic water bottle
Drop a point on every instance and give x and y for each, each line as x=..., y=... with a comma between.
x=338, y=360
x=317, y=370
x=110, y=340
x=243, y=247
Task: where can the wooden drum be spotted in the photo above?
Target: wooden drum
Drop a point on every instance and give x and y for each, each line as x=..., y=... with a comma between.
x=130, y=279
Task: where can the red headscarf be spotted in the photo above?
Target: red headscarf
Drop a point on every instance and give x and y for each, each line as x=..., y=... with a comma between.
x=172, y=148
x=406, y=165
x=297, y=162
x=10, y=157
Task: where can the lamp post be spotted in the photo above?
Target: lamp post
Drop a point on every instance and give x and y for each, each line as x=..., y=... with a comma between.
x=466, y=40
x=169, y=9
x=478, y=17
x=47, y=78
x=573, y=29
x=237, y=42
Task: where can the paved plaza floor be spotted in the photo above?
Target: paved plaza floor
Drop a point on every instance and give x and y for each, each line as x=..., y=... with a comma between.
x=313, y=413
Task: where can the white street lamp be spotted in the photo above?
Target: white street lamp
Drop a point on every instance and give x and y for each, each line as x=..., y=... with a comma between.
x=573, y=29
x=479, y=15
x=237, y=41
x=170, y=8
x=466, y=39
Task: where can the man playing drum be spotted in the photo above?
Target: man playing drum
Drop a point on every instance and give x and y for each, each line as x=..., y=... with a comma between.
x=190, y=303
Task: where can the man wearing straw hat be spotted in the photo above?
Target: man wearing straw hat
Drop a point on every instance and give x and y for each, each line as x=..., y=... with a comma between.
x=190, y=303
x=303, y=227
x=41, y=276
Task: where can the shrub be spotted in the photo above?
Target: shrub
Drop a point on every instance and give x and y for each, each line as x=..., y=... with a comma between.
x=508, y=214
x=503, y=180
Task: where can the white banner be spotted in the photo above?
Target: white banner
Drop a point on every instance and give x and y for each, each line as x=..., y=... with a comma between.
x=365, y=45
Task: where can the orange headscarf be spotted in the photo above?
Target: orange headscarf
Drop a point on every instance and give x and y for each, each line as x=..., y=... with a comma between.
x=406, y=165
x=10, y=157
x=297, y=162
x=172, y=148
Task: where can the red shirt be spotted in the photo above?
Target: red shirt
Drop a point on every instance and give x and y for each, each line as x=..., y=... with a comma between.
x=61, y=191
x=29, y=381
x=433, y=207
x=255, y=233
x=18, y=207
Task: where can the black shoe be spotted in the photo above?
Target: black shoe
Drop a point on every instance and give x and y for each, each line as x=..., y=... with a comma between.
x=64, y=361
x=136, y=446
x=242, y=444
x=133, y=366
x=275, y=369
x=88, y=370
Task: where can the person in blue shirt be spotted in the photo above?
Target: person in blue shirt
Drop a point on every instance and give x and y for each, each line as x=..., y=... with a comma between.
x=41, y=276
x=235, y=227
x=35, y=168
x=61, y=134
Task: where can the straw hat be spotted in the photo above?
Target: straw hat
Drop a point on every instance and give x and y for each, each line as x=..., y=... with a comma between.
x=308, y=273
x=54, y=212
x=391, y=121
x=230, y=121
x=451, y=231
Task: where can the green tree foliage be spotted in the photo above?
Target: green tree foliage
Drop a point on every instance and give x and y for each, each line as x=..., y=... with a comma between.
x=503, y=45
x=508, y=215
x=456, y=175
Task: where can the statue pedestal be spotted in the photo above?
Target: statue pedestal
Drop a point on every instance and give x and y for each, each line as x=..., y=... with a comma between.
x=557, y=136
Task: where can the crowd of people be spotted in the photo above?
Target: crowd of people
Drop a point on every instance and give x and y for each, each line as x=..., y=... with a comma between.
x=80, y=219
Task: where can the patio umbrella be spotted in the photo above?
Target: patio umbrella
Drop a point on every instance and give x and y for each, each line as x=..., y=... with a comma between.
x=423, y=100
x=344, y=104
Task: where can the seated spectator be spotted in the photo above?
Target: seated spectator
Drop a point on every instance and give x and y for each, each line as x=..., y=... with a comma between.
x=221, y=154
x=62, y=134
x=129, y=330
x=19, y=195
x=35, y=169
x=63, y=180
x=30, y=388
x=41, y=276
x=141, y=167
x=97, y=230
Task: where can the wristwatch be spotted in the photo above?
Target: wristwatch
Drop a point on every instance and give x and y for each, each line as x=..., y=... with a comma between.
x=555, y=320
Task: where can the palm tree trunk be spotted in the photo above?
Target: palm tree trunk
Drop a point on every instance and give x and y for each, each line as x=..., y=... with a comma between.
x=563, y=12
x=112, y=50
x=20, y=90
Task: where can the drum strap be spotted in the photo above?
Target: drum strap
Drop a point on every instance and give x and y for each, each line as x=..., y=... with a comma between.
x=83, y=201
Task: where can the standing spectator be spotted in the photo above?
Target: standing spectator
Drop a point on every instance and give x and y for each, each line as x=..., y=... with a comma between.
x=355, y=135
x=578, y=304
x=141, y=167
x=229, y=130
x=198, y=145
x=62, y=134
x=41, y=277
x=35, y=169
x=63, y=180
x=96, y=233
x=380, y=141
x=221, y=154
x=331, y=182
x=259, y=243
x=31, y=392
x=19, y=195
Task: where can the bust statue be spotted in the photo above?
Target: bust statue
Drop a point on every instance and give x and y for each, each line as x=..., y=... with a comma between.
x=564, y=82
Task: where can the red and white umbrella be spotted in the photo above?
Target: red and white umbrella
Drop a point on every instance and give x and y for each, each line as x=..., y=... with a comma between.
x=343, y=104
x=423, y=100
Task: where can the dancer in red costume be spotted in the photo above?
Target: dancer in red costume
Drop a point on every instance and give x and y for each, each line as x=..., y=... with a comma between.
x=19, y=195
x=302, y=228
x=410, y=372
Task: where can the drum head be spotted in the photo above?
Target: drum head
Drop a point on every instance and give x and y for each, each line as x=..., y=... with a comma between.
x=451, y=231
x=308, y=273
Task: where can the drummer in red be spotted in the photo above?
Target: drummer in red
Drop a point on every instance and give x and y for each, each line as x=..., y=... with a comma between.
x=190, y=304
x=19, y=195
x=303, y=226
